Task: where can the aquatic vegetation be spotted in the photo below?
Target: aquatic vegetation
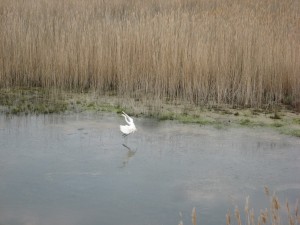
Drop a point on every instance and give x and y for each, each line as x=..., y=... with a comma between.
x=267, y=216
x=272, y=215
x=43, y=101
x=293, y=132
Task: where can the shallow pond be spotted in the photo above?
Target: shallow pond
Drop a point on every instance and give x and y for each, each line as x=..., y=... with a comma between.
x=78, y=169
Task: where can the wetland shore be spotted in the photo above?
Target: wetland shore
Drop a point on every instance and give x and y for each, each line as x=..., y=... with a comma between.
x=218, y=63
x=20, y=101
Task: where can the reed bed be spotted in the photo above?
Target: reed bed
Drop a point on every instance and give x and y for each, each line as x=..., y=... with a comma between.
x=236, y=52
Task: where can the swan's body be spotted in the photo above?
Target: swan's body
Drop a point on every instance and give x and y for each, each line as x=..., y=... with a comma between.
x=127, y=129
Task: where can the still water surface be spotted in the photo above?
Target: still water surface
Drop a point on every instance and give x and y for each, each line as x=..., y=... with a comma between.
x=77, y=169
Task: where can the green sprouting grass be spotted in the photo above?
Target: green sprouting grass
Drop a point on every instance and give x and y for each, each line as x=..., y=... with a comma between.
x=245, y=122
x=44, y=101
x=296, y=120
x=277, y=124
x=295, y=132
x=185, y=118
x=34, y=100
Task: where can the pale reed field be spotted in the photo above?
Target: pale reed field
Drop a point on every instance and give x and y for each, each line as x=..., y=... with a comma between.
x=236, y=52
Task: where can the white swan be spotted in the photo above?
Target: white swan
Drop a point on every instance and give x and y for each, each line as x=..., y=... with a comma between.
x=127, y=129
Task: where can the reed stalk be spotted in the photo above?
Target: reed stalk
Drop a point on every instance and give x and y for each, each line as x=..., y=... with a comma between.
x=240, y=52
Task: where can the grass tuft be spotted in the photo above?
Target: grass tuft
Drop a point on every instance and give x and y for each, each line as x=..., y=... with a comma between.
x=25, y=101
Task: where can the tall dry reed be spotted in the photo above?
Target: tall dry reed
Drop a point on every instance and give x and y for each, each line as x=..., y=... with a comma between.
x=275, y=215
x=238, y=52
x=272, y=216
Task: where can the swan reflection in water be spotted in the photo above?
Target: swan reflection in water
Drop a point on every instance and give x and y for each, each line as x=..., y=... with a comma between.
x=128, y=156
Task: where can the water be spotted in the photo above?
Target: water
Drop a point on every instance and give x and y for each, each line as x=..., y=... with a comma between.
x=77, y=169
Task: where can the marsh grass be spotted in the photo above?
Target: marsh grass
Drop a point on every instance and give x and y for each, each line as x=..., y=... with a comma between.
x=194, y=216
x=277, y=213
x=240, y=52
x=293, y=132
x=33, y=100
x=254, y=123
x=44, y=101
x=273, y=215
x=186, y=118
x=296, y=120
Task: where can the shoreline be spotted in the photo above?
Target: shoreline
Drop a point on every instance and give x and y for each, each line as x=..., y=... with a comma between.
x=20, y=101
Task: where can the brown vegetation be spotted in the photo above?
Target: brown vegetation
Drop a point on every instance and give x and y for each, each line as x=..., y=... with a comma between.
x=237, y=52
x=268, y=216
x=271, y=216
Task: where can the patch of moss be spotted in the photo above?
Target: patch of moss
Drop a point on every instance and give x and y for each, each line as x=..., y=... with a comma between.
x=183, y=118
x=225, y=112
x=257, y=111
x=245, y=122
x=276, y=116
x=35, y=100
x=91, y=105
x=192, y=119
x=277, y=124
x=219, y=126
x=111, y=108
x=292, y=132
x=296, y=120
x=295, y=132
x=166, y=116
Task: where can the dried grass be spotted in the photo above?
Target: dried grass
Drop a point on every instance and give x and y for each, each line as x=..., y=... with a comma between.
x=270, y=216
x=240, y=52
x=267, y=216
x=194, y=216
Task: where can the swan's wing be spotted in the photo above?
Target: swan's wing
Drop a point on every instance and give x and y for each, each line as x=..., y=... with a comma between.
x=128, y=119
x=125, y=129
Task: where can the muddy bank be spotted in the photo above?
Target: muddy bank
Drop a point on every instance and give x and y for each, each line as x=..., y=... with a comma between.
x=42, y=101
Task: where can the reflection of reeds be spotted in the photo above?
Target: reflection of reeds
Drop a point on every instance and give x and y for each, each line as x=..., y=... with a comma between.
x=243, y=52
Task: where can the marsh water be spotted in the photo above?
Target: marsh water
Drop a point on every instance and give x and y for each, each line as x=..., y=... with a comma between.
x=78, y=169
